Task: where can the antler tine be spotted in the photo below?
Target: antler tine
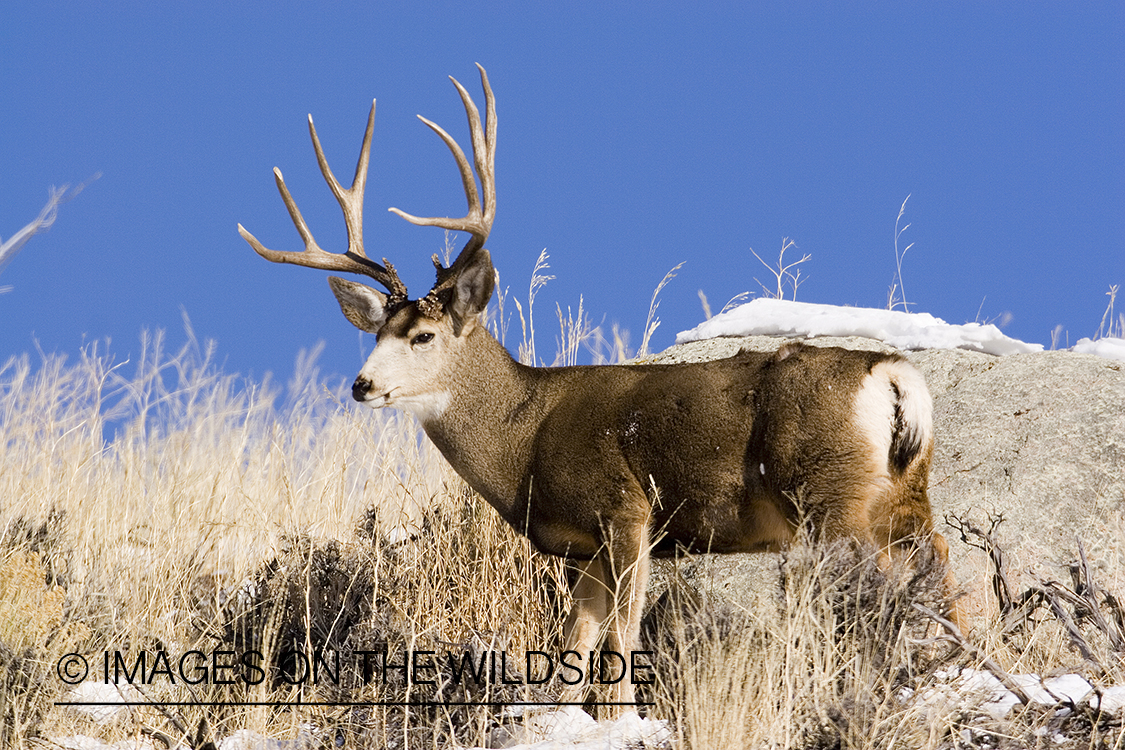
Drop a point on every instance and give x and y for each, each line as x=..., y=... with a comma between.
x=471, y=220
x=488, y=172
x=478, y=220
x=354, y=260
x=484, y=143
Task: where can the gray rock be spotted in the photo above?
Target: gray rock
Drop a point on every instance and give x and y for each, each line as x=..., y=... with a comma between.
x=1038, y=438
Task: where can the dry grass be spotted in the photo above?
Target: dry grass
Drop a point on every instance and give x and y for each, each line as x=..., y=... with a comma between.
x=827, y=668
x=850, y=658
x=161, y=506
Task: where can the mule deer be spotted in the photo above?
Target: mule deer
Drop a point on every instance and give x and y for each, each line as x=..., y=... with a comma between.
x=607, y=464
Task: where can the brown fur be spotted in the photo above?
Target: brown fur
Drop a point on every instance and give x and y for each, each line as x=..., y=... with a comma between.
x=609, y=463
x=604, y=437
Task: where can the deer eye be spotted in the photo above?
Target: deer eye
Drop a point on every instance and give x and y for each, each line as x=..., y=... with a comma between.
x=422, y=338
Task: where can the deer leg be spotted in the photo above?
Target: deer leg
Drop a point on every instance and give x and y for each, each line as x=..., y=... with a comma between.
x=583, y=629
x=627, y=570
x=583, y=626
x=609, y=596
x=911, y=533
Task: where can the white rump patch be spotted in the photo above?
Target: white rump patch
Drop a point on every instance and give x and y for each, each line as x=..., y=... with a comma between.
x=875, y=418
x=892, y=383
x=914, y=398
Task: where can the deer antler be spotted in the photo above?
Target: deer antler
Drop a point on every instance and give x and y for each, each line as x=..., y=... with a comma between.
x=354, y=260
x=478, y=221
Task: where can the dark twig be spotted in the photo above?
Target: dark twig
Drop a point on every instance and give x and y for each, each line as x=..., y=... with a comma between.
x=159, y=736
x=1086, y=588
x=200, y=740
x=987, y=542
x=1054, y=591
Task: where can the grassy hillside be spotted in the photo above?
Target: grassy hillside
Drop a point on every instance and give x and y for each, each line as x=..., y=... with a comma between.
x=160, y=506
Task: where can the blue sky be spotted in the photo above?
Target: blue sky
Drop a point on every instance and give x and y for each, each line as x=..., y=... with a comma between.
x=630, y=138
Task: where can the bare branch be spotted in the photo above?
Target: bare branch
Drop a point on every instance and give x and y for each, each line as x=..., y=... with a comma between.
x=43, y=222
x=782, y=273
x=988, y=543
x=1108, y=315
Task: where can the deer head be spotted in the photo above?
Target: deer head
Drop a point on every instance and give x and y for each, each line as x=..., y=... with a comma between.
x=418, y=342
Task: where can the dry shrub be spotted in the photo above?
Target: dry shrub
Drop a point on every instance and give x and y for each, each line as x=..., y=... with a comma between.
x=185, y=509
x=850, y=658
x=35, y=630
x=826, y=669
x=342, y=601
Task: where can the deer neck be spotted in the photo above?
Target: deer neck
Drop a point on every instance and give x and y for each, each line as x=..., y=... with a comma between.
x=487, y=429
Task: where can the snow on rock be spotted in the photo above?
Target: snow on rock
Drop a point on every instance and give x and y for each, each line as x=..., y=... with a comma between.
x=241, y=739
x=1110, y=348
x=775, y=317
x=105, y=699
x=84, y=742
x=247, y=739
x=1068, y=688
x=1111, y=701
x=571, y=728
x=985, y=690
x=976, y=683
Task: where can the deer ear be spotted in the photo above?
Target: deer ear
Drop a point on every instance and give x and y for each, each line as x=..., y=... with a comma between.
x=472, y=291
x=364, y=307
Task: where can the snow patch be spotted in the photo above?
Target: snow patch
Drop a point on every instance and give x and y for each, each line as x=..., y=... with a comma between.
x=776, y=317
x=247, y=739
x=105, y=699
x=85, y=742
x=1111, y=701
x=571, y=728
x=1110, y=348
x=988, y=693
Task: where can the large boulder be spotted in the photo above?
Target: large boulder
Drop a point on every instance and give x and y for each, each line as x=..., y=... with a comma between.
x=1038, y=438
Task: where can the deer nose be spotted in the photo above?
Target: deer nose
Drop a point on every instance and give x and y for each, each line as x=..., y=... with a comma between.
x=360, y=388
